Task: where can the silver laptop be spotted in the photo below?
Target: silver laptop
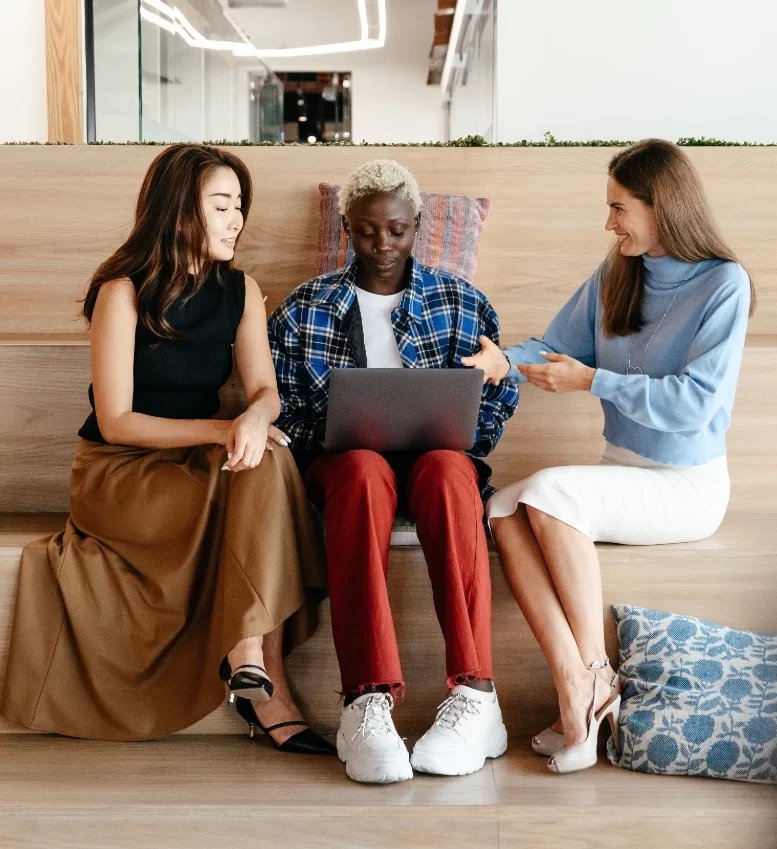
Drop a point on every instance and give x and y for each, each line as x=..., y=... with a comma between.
x=403, y=409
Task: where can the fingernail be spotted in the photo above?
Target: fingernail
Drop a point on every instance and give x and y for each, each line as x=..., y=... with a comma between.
x=225, y=468
x=229, y=456
x=285, y=442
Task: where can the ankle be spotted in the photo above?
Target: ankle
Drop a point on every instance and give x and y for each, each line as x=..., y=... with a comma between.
x=571, y=678
x=482, y=685
x=350, y=698
x=248, y=650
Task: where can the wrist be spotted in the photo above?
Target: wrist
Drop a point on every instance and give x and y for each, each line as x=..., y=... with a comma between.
x=589, y=379
x=218, y=430
x=505, y=369
x=259, y=413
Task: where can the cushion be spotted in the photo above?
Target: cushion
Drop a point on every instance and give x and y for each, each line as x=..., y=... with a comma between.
x=698, y=698
x=449, y=236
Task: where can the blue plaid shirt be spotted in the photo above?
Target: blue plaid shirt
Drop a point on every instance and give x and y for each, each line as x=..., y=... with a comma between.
x=437, y=323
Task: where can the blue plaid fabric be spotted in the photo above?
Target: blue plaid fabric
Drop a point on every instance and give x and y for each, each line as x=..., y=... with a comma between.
x=437, y=323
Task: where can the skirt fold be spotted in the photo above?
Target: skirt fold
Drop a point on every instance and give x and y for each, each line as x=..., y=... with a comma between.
x=166, y=562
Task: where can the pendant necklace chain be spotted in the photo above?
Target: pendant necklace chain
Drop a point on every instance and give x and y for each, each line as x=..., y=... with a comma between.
x=638, y=369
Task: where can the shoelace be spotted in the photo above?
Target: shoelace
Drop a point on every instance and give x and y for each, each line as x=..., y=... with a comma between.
x=454, y=709
x=377, y=716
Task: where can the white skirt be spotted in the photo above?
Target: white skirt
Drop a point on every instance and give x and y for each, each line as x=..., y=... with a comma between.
x=627, y=498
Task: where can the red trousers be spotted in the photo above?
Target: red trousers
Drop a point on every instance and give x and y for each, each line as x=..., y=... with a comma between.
x=359, y=491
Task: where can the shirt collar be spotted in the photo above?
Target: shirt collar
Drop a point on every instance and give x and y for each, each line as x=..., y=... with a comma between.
x=341, y=291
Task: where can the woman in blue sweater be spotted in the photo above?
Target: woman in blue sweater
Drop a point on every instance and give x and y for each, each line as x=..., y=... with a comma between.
x=656, y=333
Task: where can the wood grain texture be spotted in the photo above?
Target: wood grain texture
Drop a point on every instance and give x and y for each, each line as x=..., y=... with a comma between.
x=729, y=578
x=45, y=403
x=544, y=235
x=64, y=70
x=192, y=793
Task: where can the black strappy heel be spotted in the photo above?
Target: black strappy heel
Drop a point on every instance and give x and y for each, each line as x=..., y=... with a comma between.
x=241, y=682
x=306, y=742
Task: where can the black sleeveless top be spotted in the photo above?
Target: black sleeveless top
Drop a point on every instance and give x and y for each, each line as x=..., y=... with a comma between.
x=181, y=378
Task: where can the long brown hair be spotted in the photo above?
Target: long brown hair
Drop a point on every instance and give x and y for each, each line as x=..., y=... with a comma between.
x=169, y=234
x=659, y=174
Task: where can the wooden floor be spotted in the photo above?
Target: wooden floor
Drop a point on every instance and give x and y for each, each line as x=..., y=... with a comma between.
x=206, y=791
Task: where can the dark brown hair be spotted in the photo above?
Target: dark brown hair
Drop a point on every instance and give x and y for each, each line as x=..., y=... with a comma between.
x=169, y=234
x=659, y=174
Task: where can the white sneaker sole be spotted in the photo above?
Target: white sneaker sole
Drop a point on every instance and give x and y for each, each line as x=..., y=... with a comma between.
x=384, y=771
x=458, y=763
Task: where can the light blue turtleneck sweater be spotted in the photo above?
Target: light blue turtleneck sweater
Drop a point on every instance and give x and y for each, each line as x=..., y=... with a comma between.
x=679, y=409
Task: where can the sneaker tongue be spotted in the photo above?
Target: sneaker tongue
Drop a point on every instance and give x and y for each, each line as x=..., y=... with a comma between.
x=475, y=695
x=360, y=700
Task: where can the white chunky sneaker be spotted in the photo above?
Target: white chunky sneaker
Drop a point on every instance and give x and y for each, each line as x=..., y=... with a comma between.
x=368, y=743
x=467, y=730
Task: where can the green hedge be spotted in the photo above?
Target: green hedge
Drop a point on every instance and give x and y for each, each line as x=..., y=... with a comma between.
x=468, y=141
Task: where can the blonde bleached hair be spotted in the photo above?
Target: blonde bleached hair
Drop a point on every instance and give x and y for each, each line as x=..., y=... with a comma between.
x=380, y=175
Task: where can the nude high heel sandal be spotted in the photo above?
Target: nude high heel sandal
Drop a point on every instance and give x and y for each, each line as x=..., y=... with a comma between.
x=548, y=741
x=583, y=755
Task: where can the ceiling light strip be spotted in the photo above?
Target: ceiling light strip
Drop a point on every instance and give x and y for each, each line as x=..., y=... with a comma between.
x=179, y=24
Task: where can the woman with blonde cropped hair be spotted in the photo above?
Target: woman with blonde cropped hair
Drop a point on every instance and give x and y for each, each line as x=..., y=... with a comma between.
x=656, y=333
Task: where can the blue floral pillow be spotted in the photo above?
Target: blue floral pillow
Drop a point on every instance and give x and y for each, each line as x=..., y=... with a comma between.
x=698, y=698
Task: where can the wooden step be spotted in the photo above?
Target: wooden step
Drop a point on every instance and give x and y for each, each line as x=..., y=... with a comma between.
x=46, y=402
x=729, y=578
x=198, y=792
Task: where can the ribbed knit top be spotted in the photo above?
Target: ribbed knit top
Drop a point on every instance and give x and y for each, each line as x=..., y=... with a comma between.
x=181, y=378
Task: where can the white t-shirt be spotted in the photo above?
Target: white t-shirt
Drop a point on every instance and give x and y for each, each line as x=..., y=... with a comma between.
x=382, y=349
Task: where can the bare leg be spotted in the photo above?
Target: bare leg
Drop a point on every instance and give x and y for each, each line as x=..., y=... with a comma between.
x=529, y=579
x=573, y=566
x=267, y=652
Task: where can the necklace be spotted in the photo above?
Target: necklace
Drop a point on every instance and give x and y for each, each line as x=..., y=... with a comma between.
x=638, y=369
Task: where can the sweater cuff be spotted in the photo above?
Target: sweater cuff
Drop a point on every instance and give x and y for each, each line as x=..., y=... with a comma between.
x=605, y=384
x=513, y=376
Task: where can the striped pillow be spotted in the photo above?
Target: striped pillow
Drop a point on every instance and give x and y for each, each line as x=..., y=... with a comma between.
x=449, y=236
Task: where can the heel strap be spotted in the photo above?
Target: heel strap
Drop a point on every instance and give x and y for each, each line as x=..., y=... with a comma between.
x=268, y=728
x=248, y=666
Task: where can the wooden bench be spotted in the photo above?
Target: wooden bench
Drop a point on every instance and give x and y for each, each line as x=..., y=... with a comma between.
x=72, y=206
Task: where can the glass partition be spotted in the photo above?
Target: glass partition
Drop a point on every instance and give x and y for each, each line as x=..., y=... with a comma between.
x=296, y=70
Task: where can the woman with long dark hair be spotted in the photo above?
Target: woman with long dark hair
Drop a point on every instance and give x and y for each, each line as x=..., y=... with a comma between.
x=657, y=333
x=189, y=552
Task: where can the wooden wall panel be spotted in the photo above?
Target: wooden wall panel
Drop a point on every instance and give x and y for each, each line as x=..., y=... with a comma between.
x=64, y=70
x=67, y=208
x=45, y=402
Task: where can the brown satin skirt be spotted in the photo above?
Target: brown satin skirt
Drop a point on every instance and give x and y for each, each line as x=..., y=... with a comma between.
x=166, y=562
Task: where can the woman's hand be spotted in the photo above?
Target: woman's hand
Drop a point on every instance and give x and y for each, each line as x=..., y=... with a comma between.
x=494, y=363
x=561, y=374
x=247, y=438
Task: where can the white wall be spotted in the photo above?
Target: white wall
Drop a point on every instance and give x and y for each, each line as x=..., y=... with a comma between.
x=391, y=100
x=23, y=112
x=610, y=69
x=472, y=103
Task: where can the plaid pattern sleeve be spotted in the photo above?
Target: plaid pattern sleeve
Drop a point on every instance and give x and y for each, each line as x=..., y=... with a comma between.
x=498, y=403
x=439, y=321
